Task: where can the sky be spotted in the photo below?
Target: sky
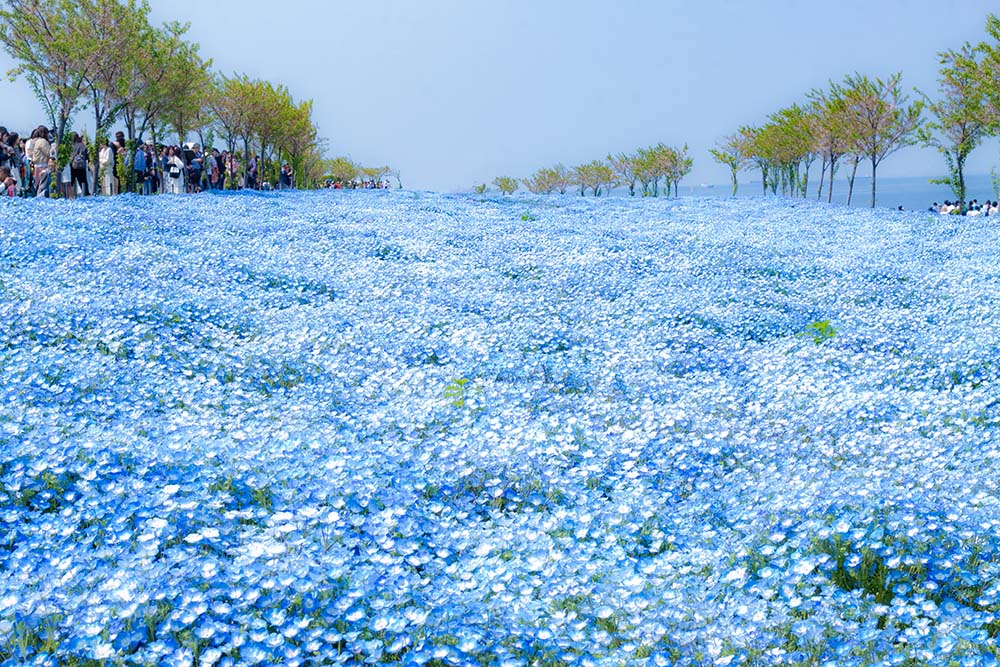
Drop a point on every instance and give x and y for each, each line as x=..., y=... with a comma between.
x=455, y=92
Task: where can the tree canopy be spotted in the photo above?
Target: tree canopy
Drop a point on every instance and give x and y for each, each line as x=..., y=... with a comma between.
x=106, y=55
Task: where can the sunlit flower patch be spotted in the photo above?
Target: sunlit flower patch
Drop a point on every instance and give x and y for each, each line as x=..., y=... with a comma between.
x=344, y=428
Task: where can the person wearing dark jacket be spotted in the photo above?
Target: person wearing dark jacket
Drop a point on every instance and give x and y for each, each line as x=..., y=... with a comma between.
x=78, y=166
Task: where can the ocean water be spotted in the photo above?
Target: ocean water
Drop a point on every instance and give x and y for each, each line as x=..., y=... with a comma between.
x=914, y=193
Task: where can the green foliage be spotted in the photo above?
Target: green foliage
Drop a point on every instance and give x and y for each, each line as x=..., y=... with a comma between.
x=456, y=392
x=783, y=149
x=960, y=119
x=376, y=174
x=596, y=176
x=820, y=331
x=505, y=184
x=51, y=43
x=661, y=162
x=879, y=117
x=548, y=180
x=832, y=137
x=732, y=153
x=341, y=169
x=480, y=189
x=63, y=151
x=624, y=167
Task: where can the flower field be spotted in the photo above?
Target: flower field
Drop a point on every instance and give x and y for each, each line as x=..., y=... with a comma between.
x=418, y=429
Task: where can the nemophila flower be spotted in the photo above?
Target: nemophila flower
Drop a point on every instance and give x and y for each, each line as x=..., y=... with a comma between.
x=357, y=429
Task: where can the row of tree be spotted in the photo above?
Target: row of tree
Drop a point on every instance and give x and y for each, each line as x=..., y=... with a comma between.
x=106, y=55
x=862, y=119
x=859, y=119
x=646, y=169
x=346, y=170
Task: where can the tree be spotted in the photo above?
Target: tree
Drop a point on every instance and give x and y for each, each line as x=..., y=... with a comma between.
x=678, y=165
x=959, y=119
x=186, y=90
x=265, y=110
x=831, y=134
x=149, y=58
x=561, y=178
x=624, y=168
x=506, y=184
x=301, y=137
x=230, y=99
x=795, y=143
x=879, y=118
x=581, y=178
x=54, y=50
x=341, y=169
x=110, y=27
x=542, y=182
x=647, y=166
x=732, y=152
x=990, y=66
x=377, y=174
x=754, y=145
x=783, y=150
x=596, y=176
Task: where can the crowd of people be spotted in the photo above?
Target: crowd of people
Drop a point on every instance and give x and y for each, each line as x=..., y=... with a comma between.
x=973, y=208
x=357, y=184
x=29, y=167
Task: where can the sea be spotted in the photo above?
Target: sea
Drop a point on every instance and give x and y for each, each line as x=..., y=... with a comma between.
x=914, y=193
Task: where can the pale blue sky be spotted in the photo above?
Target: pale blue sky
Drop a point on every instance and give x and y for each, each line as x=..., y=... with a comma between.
x=455, y=92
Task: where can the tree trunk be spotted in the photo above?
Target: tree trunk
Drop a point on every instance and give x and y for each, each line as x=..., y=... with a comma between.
x=822, y=176
x=98, y=118
x=960, y=169
x=246, y=162
x=850, y=181
x=833, y=169
x=874, y=167
x=156, y=158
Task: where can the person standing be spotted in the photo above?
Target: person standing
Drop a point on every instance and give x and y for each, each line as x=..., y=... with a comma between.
x=78, y=166
x=41, y=152
x=152, y=173
x=174, y=172
x=16, y=159
x=161, y=168
x=105, y=159
x=119, y=161
x=286, y=177
x=6, y=152
x=252, y=173
x=139, y=169
x=197, y=160
x=214, y=169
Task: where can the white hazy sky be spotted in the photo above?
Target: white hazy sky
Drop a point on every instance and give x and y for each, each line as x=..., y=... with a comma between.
x=455, y=92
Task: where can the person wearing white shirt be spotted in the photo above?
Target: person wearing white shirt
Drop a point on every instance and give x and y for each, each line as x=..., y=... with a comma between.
x=106, y=172
x=174, y=172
